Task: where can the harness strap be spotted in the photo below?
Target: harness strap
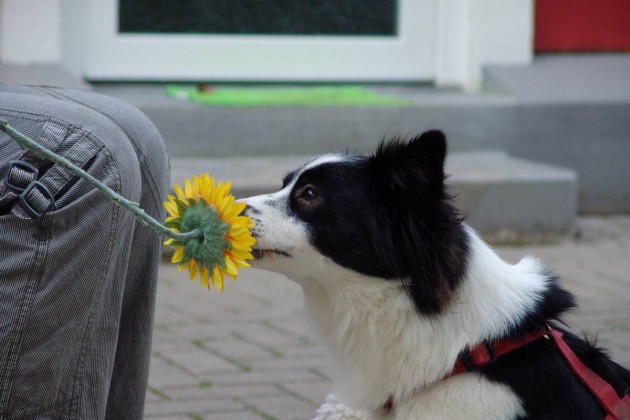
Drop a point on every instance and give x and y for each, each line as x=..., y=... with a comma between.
x=486, y=353
x=615, y=407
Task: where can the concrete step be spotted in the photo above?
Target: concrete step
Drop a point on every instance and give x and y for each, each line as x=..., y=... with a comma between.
x=193, y=130
x=573, y=110
x=506, y=198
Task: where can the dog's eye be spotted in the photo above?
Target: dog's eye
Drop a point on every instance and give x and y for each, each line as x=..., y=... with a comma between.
x=308, y=193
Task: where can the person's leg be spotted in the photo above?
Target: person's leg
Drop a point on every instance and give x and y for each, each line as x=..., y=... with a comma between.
x=77, y=285
x=130, y=374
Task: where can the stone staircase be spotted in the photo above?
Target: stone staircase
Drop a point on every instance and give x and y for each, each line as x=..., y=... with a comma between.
x=537, y=145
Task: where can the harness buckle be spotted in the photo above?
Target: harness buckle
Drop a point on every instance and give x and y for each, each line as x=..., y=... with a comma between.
x=19, y=175
x=466, y=358
x=37, y=206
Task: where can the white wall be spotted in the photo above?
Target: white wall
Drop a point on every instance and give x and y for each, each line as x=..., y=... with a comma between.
x=507, y=31
x=29, y=31
x=474, y=33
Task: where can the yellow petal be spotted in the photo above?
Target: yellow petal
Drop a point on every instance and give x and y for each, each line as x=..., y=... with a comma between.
x=246, y=241
x=221, y=191
x=225, y=206
x=207, y=185
x=203, y=275
x=195, y=187
x=231, y=213
x=177, y=255
x=178, y=190
x=237, y=246
x=237, y=230
x=188, y=188
x=211, y=188
x=171, y=208
x=193, y=268
x=243, y=221
x=231, y=276
x=217, y=278
x=241, y=255
x=239, y=262
x=230, y=268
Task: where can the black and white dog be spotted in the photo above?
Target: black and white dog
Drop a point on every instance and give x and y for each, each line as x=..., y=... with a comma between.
x=397, y=285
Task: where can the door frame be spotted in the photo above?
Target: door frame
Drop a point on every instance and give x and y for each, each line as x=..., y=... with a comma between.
x=409, y=56
x=445, y=42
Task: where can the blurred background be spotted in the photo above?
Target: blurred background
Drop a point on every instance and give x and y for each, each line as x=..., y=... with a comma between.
x=534, y=96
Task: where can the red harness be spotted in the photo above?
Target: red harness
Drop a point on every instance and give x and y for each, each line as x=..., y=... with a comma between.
x=486, y=353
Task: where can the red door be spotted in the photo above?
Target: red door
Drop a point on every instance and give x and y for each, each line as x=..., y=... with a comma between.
x=582, y=25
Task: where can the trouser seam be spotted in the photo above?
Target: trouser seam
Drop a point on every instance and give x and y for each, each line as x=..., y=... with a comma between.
x=77, y=386
x=13, y=355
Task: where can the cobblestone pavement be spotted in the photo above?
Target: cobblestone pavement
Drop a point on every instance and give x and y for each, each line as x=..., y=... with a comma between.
x=246, y=353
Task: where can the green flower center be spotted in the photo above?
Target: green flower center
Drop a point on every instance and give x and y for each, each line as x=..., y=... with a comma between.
x=207, y=250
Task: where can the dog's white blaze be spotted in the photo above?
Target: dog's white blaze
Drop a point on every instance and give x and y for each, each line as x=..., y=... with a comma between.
x=321, y=160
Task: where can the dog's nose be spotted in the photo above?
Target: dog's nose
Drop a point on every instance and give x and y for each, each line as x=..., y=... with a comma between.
x=248, y=211
x=242, y=201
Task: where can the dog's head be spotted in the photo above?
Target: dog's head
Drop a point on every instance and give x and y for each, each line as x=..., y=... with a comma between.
x=385, y=216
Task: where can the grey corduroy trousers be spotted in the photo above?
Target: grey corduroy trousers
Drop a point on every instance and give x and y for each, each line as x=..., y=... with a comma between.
x=77, y=273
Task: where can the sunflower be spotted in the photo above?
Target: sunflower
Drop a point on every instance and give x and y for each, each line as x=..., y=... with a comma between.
x=225, y=242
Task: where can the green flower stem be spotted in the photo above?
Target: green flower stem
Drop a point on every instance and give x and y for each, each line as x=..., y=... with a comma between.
x=133, y=207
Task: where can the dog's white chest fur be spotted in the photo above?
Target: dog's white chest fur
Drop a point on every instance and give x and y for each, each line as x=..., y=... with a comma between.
x=381, y=347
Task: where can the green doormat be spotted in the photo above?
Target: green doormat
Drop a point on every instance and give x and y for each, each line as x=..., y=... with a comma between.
x=302, y=96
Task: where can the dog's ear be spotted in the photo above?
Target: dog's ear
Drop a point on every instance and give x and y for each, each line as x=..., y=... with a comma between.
x=409, y=170
x=424, y=229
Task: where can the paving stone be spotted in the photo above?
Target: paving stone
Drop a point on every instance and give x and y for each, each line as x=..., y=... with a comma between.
x=285, y=407
x=278, y=365
x=169, y=315
x=264, y=377
x=305, y=352
x=202, y=362
x=155, y=394
x=241, y=415
x=261, y=334
x=191, y=406
x=314, y=392
x=241, y=350
x=223, y=391
x=162, y=373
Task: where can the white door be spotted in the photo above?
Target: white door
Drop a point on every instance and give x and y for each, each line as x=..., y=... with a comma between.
x=116, y=47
